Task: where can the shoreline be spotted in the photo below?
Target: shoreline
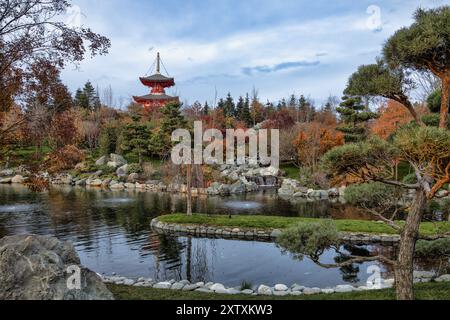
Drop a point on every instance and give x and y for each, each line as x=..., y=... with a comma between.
x=203, y=226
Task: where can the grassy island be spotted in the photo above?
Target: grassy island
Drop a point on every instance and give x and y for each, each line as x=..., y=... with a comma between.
x=275, y=222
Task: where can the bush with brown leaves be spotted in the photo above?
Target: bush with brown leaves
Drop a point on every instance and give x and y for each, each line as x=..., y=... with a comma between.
x=64, y=158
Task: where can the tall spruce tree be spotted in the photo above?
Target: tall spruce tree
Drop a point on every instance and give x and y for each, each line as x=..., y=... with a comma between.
x=229, y=107
x=87, y=98
x=246, y=115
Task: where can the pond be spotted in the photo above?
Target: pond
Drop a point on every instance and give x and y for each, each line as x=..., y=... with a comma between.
x=111, y=232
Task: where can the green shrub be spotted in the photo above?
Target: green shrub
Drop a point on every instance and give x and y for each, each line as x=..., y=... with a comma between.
x=106, y=170
x=245, y=285
x=310, y=239
x=135, y=168
x=372, y=194
x=433, y=249
x=434, y=101
x=433, y=119
x=109, y=139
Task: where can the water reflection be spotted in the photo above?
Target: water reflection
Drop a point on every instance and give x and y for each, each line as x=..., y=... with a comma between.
x=111, y=233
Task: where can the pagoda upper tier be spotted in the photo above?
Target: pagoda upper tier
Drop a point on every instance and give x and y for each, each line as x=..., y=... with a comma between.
x=157, y=82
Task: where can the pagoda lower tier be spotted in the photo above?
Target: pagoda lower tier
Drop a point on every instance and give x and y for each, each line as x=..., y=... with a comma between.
x=151, y=101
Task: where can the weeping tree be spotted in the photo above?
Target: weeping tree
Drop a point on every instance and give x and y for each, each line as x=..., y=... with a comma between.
x=427, y=150
x=425, y=46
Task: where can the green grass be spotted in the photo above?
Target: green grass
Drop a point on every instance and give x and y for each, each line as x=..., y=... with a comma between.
x=423, y=291
x=272, y=222
x=292, y=172
x=21, y=155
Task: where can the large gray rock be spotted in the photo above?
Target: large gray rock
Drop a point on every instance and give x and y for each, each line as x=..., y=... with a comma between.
x=238, y=187
x=39, y=268
x=101, y=161
x=6, y=173
x=116, y=161
x=122, y=171
x=270, y=171
x=214, y=189
x=265, y=290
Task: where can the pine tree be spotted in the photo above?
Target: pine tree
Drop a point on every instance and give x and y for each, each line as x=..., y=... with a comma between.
x=206, y=109
x=354, y=116
x=246, y=116
x=135, y=139
x=81, y=99
x=240, y=109
x=87, y=98
x=302, y=109
x=171, y=120
x=229, y=106
x=221, y=104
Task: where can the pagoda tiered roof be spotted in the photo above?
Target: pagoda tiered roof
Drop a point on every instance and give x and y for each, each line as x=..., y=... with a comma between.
x=157, y=82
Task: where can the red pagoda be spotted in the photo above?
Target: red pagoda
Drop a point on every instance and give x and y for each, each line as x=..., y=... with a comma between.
x=157, y=82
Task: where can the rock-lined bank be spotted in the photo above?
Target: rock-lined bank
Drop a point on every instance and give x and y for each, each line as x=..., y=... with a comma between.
x=240, y=179
x=267, y=235
x=265, y=290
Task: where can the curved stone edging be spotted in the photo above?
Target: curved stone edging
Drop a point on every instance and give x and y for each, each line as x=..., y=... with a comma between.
x=269, y=235
x=263, y=290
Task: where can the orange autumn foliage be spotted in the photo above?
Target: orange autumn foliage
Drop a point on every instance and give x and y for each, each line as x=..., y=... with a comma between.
x=314, y=140
x=393, y=116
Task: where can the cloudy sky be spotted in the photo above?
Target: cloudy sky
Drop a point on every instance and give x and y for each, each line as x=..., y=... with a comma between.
x=278, y=47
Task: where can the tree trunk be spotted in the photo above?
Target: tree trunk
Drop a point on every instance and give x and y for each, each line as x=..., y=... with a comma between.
x=445, y=101
x=189, y=189
x=404, y=267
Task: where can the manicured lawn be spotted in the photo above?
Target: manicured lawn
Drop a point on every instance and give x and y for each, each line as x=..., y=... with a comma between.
x=292, y=172
x=423, y=291
x=21, y=155
x=272, y=222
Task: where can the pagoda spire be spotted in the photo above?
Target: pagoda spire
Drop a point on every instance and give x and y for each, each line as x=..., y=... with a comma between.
x=158, y=64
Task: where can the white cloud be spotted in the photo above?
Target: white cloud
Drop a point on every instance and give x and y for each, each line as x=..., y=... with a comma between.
x=340, y=43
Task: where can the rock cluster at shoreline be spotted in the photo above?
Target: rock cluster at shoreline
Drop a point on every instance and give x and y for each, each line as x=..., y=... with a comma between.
x=264, y=290
x=291, y=188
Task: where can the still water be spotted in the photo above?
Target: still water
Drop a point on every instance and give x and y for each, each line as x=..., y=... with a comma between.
x=111, y=233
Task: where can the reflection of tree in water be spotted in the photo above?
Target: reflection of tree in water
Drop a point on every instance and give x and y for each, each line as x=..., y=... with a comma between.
x=350, y=272
x=197, y=266
x=168, y=256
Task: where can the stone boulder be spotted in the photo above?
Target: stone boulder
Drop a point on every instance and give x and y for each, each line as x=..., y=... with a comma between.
x=289, y=187
x=214, y=189
x=6, y=173
x=122, y=171
x=318, y=194
x=41, y=268
x=265, y=290
x=5, y=180
x=270, y=172
x=133, y=177
x=18, y=179
x=238, y=187
x=101, y=161
x=116, y=161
